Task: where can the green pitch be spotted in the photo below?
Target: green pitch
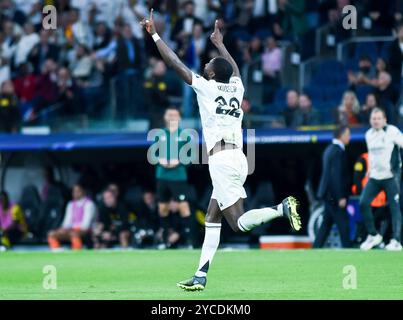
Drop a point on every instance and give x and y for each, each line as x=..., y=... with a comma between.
x=249, y=274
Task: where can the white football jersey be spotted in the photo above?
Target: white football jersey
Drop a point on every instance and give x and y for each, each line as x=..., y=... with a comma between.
x=383, y=150
x=220, y=109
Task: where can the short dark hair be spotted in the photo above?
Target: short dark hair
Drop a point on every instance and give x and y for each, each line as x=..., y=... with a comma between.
x=339, y=131
x=223, y=69
x=365, y=57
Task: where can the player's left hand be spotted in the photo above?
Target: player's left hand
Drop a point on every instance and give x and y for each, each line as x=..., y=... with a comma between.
x=148, y=24
x=216, y=37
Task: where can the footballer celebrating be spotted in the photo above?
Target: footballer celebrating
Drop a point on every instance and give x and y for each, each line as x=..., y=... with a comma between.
x=219, y=94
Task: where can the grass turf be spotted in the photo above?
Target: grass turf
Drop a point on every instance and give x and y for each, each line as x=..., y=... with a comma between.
x=249, y=274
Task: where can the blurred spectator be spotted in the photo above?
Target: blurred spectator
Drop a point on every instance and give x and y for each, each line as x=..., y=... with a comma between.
x=12, y=222
x=255, y=50
x=190, y=52
x=184, y=25
x=291, y=110
x=102, y=36
x=114, y=188
x=10, y=117
x=146, y=223
x=5, y=70
x=271, y=66
x=51, y=182
x=246, y=107
x=366, y=70
x=25, y=84
x=88, y=77
x=129, y=64
x=291, y=17
x=384, y=90
x=371, y=102
x=129, y=55
x=348, y=111
x=113, y=223
x=382, y=17
x=174, y=234
x=156, y=94
x=25, y=44
x=80, y=29
x=77, y=223
x=396, y=59
x=335, y=17
x=14, y=10
x=42, y=51
x=46, y=90
x=307, y=115
x=9, y=41
x=68, y=95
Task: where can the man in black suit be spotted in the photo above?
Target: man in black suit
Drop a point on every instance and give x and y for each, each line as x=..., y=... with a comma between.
x=333, y=189
x=129, y=63
x=396, y=58
x=42, y=51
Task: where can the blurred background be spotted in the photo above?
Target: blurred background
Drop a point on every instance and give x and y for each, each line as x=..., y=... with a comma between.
x=76, y=102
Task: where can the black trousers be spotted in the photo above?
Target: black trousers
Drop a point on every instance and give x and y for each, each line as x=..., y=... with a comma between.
x=333, y=214
x=392, y=190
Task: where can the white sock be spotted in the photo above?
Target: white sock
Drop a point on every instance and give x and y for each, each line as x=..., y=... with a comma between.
x=210, y=245
x=257, y=217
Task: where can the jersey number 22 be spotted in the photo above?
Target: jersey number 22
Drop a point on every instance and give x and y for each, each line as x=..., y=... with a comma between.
x=232, y=109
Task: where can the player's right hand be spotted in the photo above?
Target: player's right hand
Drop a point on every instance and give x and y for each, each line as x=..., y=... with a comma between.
x=148, y=24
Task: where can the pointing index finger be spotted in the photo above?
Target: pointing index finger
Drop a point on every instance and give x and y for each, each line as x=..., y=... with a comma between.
x=151, y=14
x=216, y=26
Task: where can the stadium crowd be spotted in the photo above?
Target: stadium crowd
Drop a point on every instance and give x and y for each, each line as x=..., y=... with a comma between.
x=98, y=56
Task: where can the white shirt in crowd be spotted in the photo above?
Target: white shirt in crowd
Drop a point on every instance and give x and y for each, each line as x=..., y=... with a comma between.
x=381, y=144
x=90, y=213
x=401, y=49
x=220, y=109
x=24, y=47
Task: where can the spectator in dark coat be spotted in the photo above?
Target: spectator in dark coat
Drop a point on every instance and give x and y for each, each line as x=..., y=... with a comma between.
x=292, y=109
x=43, y=51
x=9, y=111
x=396, y=58
x=307, y=115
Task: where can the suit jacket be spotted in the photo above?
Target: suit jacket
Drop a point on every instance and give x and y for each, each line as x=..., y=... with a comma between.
x=37, y=56
x=333, y=184
x=122, y=56
x=395, y=61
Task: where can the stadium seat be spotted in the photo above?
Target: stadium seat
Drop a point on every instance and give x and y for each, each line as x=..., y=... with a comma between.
x=52, y=211
x=30, y=203
x=362, y=92
x=369, y=49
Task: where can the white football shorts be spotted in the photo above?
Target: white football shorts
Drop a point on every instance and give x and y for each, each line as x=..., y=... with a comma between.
x=228, y=172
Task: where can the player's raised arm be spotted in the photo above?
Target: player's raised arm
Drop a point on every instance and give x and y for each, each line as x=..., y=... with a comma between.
x=170, y=58
x=217, y=39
